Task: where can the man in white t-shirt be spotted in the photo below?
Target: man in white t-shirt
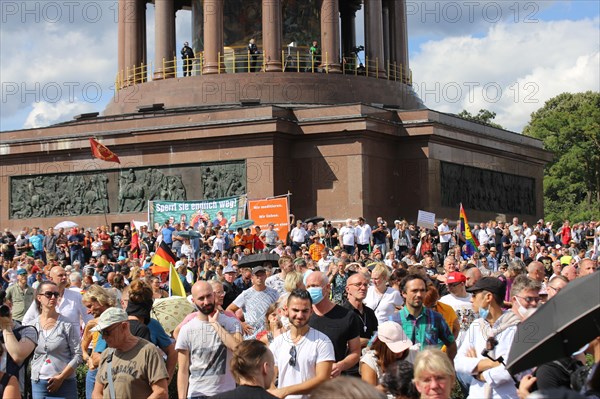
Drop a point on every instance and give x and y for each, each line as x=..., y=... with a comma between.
x=303, y=356
x=445, y=236
x=255, y=302
x=460, y=300
x=298, y=236
x=205, y=346
x=346, y=234
x=363, y=233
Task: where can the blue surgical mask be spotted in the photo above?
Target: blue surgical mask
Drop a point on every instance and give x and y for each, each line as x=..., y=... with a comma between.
x=483, y=313
x=316, y=294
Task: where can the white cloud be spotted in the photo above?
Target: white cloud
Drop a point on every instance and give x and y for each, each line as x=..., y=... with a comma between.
x=512, y=70
x=44, y=113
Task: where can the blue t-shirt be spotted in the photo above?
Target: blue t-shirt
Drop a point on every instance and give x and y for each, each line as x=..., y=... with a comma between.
x=167, y=233
x=37, y=242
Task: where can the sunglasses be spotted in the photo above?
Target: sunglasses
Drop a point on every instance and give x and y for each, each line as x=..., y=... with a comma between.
x=293, y=355
x=109, y=330
x=530, y=299
x=50, y=294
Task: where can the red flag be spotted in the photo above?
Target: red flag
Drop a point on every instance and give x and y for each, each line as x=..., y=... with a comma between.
x=101, y=152
x=135, y=242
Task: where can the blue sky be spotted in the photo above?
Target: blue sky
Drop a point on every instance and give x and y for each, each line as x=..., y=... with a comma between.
x=59, y=62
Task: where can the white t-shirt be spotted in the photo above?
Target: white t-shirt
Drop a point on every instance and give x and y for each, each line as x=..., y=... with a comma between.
x=209, y=357
x=464, y=312
x=312, y=349
x=255, y=305
x=443, y=229
x=363, y=234
x=383, y=305
x=324, y=263
x=298, y=234
x=347, y=234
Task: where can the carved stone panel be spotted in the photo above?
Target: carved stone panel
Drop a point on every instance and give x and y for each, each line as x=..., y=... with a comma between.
x=486, y=190
x=125, y=191
x=59, y=195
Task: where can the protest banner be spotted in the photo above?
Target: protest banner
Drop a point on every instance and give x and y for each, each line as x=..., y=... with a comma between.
x=221, y=211
x=274, y=210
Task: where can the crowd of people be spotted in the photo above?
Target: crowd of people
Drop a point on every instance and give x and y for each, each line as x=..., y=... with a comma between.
x=347, y=310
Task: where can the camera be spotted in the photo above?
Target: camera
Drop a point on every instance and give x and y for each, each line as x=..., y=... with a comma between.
x=4, y=311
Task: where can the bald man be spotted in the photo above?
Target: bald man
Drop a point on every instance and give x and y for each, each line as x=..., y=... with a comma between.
x=569, y=272
x=341, y=325
x=586, y=267
x=357, y=286
x=69, y=306
x=205, y=347
x=473, y=275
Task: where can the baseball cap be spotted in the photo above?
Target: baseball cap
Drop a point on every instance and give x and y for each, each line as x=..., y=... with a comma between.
x=229, y=269
x=109, y=317
x=455, y=277
x=490, y=284
x=120, y=258
x=21, y=272
x=558, y=246
x=35, y=269
x=392, y=334
x=178, y=263
x=258, y=269
x=396, y=221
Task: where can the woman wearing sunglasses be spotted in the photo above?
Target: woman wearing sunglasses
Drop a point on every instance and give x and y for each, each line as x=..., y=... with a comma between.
x=58, y=352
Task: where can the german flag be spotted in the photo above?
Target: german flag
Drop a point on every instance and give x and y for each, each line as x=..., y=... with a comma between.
x=163, y=258
x=102, y=152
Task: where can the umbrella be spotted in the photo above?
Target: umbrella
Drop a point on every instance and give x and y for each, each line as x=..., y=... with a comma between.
x=241, y=224
x=314, y=219
x=258, y=260
x=171, y=311
x=188, y=234
x=67, y=224
x=560, y=327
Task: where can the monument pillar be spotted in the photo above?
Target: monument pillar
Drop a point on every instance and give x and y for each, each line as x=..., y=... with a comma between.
x=386, y=34
x=348, y=18
x=164, y=22
x=133, y=53
x=121, y=41
x=399, y=43
x=330, y=38
x=374, y=36
x=272, y=31
x=213, y=36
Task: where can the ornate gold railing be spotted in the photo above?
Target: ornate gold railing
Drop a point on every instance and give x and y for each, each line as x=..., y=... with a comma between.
x=238, y=60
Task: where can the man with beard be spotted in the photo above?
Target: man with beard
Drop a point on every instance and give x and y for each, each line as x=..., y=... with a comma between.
x=303, y=356
x=205, y=346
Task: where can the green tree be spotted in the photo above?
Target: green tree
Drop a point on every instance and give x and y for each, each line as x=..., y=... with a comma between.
x=483, y=116
x=569, y=126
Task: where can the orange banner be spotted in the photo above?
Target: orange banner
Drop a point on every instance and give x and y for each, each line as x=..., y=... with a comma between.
x=273, y=211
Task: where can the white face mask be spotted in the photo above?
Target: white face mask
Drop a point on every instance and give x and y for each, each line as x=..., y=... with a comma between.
x=525, y=312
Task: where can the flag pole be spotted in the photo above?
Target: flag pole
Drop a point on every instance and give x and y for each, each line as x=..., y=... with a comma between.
x=170, y=272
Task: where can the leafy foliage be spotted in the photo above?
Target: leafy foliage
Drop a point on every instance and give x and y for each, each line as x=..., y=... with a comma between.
x=484, y=116
x=569, y=126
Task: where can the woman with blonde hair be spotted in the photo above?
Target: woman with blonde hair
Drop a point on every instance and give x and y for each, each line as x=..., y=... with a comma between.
x=382, y=299
x=273, y=323
x=434, y=374
x=96, y=299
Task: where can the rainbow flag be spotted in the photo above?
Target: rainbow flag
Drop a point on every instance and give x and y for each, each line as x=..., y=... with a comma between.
x=465, y=231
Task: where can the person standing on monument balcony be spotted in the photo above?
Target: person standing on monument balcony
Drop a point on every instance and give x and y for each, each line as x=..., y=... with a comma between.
x=187, y=54
x=315, y=53
x=253, y=53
